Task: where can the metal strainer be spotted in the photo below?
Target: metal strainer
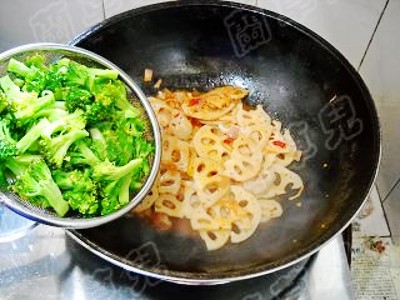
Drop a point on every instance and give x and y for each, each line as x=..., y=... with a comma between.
x=52, y=53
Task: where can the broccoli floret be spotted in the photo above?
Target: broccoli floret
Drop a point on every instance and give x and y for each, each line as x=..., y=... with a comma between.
x=37, y=60
x=32, y=136
x=3, y=102
x=8, y=146
x=18, y=68
x=112, y=92
x=25, y=104
x=15, y=96
x=107, y=171
x=35, y=79
x=79, y=190
x=18, y=165
x=55, y=149
x=76, y=98
x=66, y=124
x=3, y=177
x=52, y=114
x=99, y=144
x=28, y=111
x=81, y=154
x=37, y=186
x=115, y=195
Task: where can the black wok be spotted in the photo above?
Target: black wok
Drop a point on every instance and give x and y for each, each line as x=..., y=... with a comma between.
x=298, y=77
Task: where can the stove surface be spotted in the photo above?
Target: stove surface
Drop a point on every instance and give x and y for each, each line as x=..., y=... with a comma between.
x=47, y=264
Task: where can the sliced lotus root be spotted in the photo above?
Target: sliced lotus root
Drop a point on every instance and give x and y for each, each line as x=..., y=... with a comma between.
x=180, y=126
x=210, y=183
x=208, y=142
x=176, y=152
x=169, y=204
x=246, y=159
x=259, y=133
x=243, y=228
x=170, y=180
x=202, y=219
x=163, y=111
x=251, y=117
x=191, y=200
x=285, y=179
x=214, y=104
x=270, y=209
x=149, y=200
x=214, y=239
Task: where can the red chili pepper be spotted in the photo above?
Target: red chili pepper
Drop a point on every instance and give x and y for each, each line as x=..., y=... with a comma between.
x=194, y=101
x=228, y=141
x=196, y=122
x=279, y=144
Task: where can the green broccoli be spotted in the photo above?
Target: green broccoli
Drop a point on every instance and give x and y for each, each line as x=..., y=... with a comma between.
x=108, y=171
x=99, y=144
x=36, y=185
x=52, y=114
x=69, y=122
x=28, y=111
x=19, y=164
x=55, y=149
x=32, y=136
x=115, y=195
x=81, y=154
x=3, y=102
x=8, y=146
x=15, y=96
x=35, y=79
x=79, y=190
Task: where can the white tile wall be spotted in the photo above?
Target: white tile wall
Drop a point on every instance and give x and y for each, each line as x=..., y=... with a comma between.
x=46, y=21
x=347, y=25
x=381, y=71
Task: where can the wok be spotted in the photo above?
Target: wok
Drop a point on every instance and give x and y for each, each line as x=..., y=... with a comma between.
x=299, y=79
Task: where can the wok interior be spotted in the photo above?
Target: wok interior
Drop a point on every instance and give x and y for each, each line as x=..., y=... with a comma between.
x=293, y=75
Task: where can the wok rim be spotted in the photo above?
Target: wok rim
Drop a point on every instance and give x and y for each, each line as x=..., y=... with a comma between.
x=250, y=272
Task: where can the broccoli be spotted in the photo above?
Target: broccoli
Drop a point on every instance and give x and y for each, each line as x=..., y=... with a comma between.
x=50, y=110
x=79, y=190
x=99, y=144
x=115, y=195
x=55, y=149
x=52, y=114
x=81, y=154
x=25, y=104
x=19, y=164
x=3, y=178
x=75, y=97
x=35, y=79
x=107, y=171
x=28, y=110
x=65, y=124
x=36, y=185
x=32, y=135
x=8, y=146
x=15, y=96
x=3, y=102
x=36, y=60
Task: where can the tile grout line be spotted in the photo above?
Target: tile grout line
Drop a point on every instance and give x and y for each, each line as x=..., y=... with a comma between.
x=373, y=35
x=391, y=189
x=104, y=9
